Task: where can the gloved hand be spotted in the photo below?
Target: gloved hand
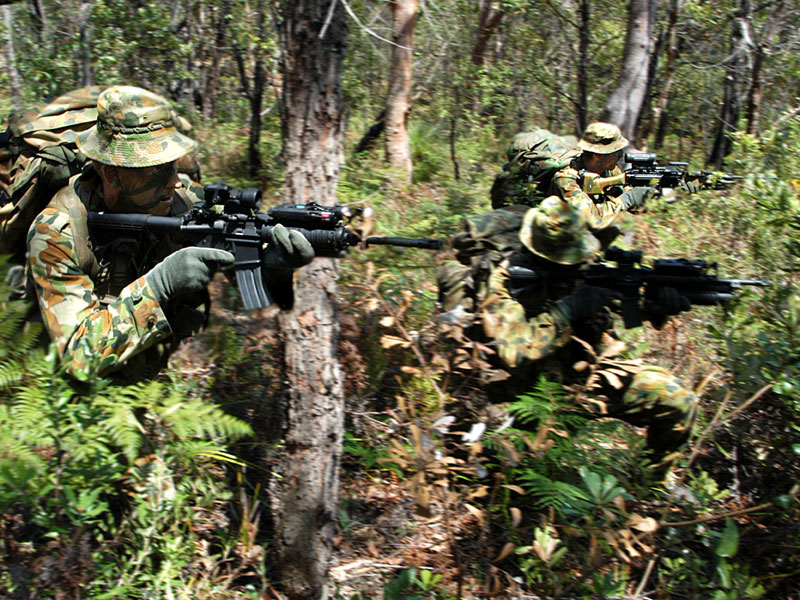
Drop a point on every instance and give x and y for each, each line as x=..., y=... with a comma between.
x=690, y=187
x=186, y=321
x=635, y=197
x=586, y=301
x=287, y=251
x=668, y=302
x=187, y=270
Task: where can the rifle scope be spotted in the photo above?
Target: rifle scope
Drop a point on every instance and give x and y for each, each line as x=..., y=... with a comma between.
x=232, y=199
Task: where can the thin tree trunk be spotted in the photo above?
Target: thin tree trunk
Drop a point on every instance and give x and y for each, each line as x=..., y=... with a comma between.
x=625, y=102
x=491, y=15
x=761, y=52
x=254, y=91
x=84, y=43
x=584, y=60
x=735, y=73
x=41, y=23
x=398, y=102
x=11, y=60
x=305, y=496
x=658, y=116
x=210, y=96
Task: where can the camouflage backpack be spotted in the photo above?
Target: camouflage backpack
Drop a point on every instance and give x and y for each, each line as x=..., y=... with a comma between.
x=533, y=158
x=38, y=155
x=486, y=240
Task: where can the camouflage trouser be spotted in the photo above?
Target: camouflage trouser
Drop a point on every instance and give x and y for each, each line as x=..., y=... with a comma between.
x=646, y=396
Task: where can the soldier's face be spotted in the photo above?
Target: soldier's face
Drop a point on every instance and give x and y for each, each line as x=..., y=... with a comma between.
x=145, y=190
x=597, y=163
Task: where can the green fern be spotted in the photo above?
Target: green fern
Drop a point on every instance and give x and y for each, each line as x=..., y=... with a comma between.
x=547, y=493
x=544, y=400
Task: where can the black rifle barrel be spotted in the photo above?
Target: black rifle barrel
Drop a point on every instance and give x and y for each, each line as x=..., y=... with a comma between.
x=428, y=243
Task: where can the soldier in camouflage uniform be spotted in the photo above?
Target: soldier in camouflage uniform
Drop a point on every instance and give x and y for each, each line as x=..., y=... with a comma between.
x=601, y=146
x=539, y=165
x=120, y=307
x=533, y=333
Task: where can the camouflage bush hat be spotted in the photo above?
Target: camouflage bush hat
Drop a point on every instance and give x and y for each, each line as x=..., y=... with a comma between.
x=557, y=231
x=135, y=128
x=602, y=138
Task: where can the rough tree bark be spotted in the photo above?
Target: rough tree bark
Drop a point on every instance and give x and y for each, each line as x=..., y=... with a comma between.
x=735, y=75
x=11, y=60
x=625, y=102
x=398, y=101
x=305, y=495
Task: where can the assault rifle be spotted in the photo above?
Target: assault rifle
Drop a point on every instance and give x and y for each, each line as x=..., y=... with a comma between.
x=644, y=171
x=238, y=228
x=640, y=284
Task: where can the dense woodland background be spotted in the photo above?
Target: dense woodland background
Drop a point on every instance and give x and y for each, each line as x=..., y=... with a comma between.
x=322, y=452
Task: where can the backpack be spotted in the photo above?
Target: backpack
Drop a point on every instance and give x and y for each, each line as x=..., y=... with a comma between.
x=533, y=158
x=38, y=155
x=486, y=241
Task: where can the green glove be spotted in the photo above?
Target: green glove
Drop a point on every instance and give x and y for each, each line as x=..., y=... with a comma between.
x=585, y=302
x=288, y=250
x=635, y=197
x=187, y=270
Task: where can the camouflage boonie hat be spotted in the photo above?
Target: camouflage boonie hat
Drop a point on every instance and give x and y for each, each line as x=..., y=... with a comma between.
x=558, y=231
x=135, y=128
x=602, y=138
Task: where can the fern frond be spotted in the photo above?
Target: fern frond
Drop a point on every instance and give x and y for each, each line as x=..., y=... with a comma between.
x=11, y=373
x=123, y=429
x=27, y=340
x=194, y=417
x=200, y=450
x=547, y=493
x=540, y=403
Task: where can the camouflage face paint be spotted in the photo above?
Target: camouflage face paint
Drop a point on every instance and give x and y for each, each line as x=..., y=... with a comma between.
x=143, y=189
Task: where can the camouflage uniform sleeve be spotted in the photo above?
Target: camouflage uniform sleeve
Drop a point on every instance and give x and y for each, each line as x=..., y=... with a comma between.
x=566, y=183
x=91, y=338
x=518, y=338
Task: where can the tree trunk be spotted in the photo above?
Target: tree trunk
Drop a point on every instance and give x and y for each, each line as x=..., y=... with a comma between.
x=584, y=60
x=11, y=60
x=761, y=52
x=255, y=90
x=735, y=73
x=221, y=25
x=84, y=44
x=305, y=496
x=625, y=102
x=491, y=15
x=398, y=102
x=658, y=116
x=41, y=23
